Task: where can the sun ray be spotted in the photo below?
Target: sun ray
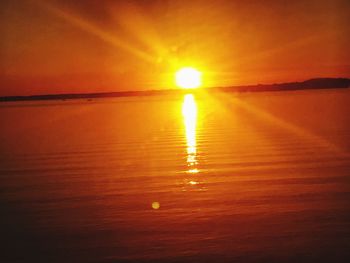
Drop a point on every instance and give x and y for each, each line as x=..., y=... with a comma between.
x=298, y=131
x=103, y=35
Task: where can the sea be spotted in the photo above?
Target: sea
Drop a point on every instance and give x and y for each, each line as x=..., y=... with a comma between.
x=196, y=177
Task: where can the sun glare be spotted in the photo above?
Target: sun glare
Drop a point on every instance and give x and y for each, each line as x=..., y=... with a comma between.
x=189, y=111
x=188, y=78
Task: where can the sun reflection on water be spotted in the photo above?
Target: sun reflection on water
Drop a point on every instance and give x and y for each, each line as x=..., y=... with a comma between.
x=189, y=112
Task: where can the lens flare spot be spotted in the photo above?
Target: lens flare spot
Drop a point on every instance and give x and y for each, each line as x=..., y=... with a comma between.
x=155, y=205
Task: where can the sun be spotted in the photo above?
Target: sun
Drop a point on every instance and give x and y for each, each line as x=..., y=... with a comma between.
x=188, y=78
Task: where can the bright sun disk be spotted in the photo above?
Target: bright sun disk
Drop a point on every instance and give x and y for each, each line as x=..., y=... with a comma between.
x=188, y=78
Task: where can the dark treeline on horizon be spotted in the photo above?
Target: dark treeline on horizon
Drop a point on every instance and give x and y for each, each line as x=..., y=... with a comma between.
x=317, y=83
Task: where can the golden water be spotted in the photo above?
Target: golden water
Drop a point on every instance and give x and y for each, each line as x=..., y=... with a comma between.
x=261, y=177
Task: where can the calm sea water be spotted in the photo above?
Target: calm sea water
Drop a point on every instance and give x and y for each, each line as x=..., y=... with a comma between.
x=260, y=177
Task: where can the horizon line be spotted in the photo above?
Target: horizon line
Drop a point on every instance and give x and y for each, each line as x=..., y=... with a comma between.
x=313, y=83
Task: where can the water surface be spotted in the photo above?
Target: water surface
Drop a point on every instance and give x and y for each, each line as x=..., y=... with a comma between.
x=255, y=177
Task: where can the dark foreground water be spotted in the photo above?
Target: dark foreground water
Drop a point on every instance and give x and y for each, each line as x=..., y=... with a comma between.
x=261, y=177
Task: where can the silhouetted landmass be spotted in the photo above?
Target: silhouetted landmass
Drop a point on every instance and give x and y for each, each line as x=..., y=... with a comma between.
x=317, y=83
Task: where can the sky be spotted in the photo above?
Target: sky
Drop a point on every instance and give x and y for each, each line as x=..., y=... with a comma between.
x=61, y=46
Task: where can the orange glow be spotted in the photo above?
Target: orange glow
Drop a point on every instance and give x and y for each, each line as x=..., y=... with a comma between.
x=189, y=111
x=188, y=78
x=103, y=46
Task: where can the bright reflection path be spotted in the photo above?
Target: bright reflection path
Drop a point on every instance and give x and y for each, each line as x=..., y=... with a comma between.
x=189, y=112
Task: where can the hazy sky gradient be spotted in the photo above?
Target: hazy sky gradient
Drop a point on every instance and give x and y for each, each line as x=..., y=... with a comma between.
x=95, y=46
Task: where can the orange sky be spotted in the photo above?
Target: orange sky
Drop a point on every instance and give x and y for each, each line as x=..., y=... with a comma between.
x=95, y=46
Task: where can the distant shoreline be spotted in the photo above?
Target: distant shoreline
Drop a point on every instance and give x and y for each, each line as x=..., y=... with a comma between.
x=317, y=83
